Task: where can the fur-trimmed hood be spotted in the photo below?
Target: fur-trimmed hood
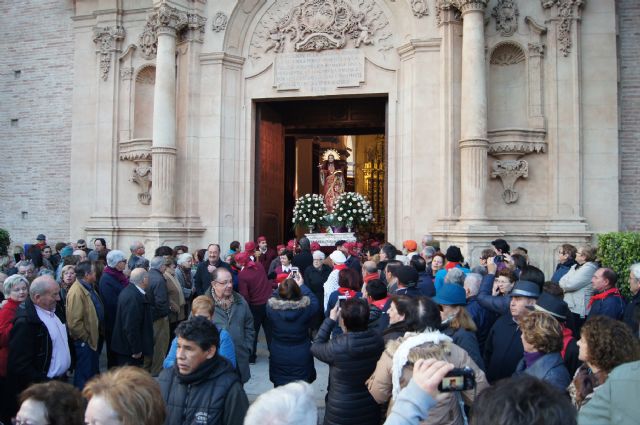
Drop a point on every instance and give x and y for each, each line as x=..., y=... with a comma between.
x=280, y=304
x=424, y=351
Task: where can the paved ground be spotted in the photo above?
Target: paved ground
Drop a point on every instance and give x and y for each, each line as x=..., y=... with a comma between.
x=259, y=382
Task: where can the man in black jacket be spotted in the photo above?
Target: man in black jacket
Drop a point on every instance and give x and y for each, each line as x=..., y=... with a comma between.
x=39, y=345
x=133, y=329
x=160, y=297
x=504, y=348
x=304, y=258
x=202, y=387
x=205, y=268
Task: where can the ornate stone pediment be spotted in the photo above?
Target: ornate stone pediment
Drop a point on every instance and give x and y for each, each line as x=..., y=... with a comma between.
x=316, y=25
x=506, y=15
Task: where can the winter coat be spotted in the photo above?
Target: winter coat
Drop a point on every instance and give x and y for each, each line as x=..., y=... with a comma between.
x=561, y=270
x=483, y=319
x=290, y=356
x=468, y=342
x=31, y=347
x=302, y=261
x=503, y=349
x=447, y=410
x=210, y=395
x=175, y=297
x=631, y=314
x=549, y=368
x=612, y=306
x=82, y=318
x=202, y=279
x=498, y=304
x=615, y=401
x=7, y=314
x=267, y=258
x=351, y=358
x=238, y=321
x=425, y=284
x=253, y=284
x=314, y=279
x=159, y=294
x=186, y=283
x=133, y=329
x=577, y=287
x=354, y=263
x=110, y=289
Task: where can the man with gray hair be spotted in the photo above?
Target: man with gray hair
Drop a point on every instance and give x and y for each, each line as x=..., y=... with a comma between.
x=26, y=269
x=482, y=317
x=112, y=282
x=632, y=310
x=133, y=330
x=291, y=404
x=456, y=276
x=160, y=297
x=39, y=342
x=427, y=253
x=137, y=253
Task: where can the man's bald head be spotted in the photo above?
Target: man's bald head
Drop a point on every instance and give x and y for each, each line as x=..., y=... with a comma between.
x=139, y=277
x=369, y=267
x=45, y=292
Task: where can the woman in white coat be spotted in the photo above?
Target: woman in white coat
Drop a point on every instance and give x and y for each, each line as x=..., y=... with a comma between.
x=576, y=285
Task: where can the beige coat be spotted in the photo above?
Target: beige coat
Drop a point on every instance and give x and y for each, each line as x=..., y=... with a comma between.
x=447, y=411
x=176, y=298
x=82, y=319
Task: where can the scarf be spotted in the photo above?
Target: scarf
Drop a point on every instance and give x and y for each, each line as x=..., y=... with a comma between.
x=450, y=265
x=567, y=336
x=118, y=275
x=586, y=382
x=350, y=293
x=601, y=296
x=371, y=276
x=223, y=303
x=380, y=303
x=203, y=371
x=530, y=358
x=401, y=355
x=339, y=266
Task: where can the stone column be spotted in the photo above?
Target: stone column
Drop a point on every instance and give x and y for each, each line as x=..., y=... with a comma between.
x=473, y=111
x=163, y=150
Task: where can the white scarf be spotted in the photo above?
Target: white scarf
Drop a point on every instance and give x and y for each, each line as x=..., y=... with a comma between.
x=401, y=355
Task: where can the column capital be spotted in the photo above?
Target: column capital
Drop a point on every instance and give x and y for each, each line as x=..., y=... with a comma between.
x=170, y=20
x=465, y=5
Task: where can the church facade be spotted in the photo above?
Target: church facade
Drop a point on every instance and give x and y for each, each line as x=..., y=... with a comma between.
x=498, y=118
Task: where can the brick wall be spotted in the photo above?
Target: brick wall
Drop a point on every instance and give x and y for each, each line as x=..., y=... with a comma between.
x=629, y=103
x=38, y=40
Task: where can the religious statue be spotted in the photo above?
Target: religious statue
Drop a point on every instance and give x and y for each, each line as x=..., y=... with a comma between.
x=332, y=176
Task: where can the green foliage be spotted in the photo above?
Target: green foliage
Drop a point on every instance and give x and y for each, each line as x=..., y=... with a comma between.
x=5, y=241
x=618, y=251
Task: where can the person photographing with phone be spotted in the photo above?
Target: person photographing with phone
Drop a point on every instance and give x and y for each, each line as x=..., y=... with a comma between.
x=290, y=311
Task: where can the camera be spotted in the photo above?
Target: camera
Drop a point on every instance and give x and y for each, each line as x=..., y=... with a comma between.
x=499, y=259
x=342, y=299
x=459, y=379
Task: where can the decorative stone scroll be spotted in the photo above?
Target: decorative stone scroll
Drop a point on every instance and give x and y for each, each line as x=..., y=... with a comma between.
x=509, y=171
x=106, y=39
x=139, y=151
x=219, y=22
x=319, y=72
x=420, y=8
x=567, y=13
x=506, y=15
x=164, y=17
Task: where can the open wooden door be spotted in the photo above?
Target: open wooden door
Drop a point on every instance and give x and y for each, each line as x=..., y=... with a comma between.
x=270, y=174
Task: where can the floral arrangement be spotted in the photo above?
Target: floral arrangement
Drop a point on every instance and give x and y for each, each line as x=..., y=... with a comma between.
x=352, y=208
x=309, y=210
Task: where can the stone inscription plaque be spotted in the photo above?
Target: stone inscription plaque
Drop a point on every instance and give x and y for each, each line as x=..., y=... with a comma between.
x=319, y=72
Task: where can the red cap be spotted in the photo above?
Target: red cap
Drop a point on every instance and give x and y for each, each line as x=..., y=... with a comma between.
x=291, y=245
x=350, y=246
x=281, y=277
x=315, y=246
x=261, y=238
x=242, y=258
x=250, y=247
x=411, y=245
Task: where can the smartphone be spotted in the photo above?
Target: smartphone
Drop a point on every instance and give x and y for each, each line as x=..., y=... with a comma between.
x=459, y=379
x=295, y=271
x=342, y=299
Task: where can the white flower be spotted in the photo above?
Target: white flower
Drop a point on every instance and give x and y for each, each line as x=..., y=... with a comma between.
x=339, y=218
x=313, y=221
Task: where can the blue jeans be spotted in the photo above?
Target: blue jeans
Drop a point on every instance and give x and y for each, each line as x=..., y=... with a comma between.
x=87, y=364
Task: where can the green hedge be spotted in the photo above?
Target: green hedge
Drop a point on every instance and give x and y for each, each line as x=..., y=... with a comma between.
x=618, y=251
x=5, y=241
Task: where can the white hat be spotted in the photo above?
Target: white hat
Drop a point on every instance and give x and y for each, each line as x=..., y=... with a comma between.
x=318, y=255
x=338, y=257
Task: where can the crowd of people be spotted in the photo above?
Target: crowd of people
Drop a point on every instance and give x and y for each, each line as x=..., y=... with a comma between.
x=180, y=332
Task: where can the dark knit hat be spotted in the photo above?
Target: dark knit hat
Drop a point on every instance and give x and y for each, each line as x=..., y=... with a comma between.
x=454, y=254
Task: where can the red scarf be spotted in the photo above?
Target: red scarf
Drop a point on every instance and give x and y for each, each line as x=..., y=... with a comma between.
x=603, y=295
x=371, y=276
x=567, y=336
x=350, y=293
x=380, y=303
x=339, y=266
x=450, y=265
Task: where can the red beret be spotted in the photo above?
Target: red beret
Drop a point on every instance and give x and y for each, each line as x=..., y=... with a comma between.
x=250, y=247
x=242, y=258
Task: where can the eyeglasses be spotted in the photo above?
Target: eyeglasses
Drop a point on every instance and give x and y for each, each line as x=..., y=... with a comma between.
x=81, y=246
x=224, y=283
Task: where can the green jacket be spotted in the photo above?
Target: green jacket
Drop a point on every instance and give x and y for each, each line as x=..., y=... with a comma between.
x=82, y=319
x=615, y=401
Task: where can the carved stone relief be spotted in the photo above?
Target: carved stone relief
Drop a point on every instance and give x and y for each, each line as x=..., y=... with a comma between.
x=316, y=25
x=196, y=24
x=164, y=17
x=446, y=7
x=419, y=8
x=148, y=40
x=126, y=73
x=507, y=54
x=506, y=15
x=219, y=22
x=106, y=38
x=139, y=152
x=567, y=13
x=509, y=171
